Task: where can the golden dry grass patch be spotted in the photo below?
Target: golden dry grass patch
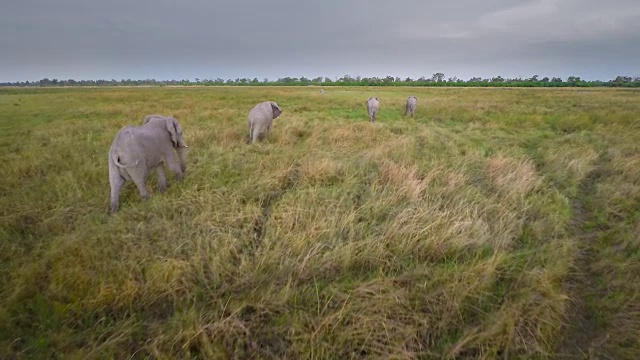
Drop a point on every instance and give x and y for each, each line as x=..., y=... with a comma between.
x=513, y=177
x=406, y=180
x=320, y=171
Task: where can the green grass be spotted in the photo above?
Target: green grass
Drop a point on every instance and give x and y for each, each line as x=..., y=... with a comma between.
x=497, y=223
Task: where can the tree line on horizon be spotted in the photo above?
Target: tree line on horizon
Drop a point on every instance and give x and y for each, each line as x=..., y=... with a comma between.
x=437, y=79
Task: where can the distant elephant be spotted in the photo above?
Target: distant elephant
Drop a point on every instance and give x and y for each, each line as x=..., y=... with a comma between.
x=260, y=118
x=321, y=91
x=137, y=150
x=373, y=105
x=410, y=108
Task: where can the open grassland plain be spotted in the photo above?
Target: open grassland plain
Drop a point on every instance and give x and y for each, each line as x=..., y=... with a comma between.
x=496, y=223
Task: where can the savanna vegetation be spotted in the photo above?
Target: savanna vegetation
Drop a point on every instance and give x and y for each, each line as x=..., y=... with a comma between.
x=437, y=79
x=496, y=223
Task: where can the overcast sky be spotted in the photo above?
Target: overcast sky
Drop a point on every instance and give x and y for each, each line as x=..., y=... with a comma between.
x=206, y=39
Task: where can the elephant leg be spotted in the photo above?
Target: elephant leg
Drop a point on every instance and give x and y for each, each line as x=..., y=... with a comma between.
x=162, y=180
x=139, y=177
x=117, y=182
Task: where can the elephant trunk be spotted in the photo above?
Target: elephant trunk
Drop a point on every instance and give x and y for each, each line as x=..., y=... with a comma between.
x=182, y=155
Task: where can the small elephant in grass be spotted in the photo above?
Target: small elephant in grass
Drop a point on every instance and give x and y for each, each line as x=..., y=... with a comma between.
x=373, y=105
x=261, y=117
x=410, y=108
x=137, y=150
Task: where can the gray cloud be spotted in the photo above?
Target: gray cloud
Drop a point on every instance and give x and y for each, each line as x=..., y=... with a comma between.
x=250, y=38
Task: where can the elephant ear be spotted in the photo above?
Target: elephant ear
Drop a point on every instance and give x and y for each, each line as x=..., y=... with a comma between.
x=276, y=110
x=174, y=130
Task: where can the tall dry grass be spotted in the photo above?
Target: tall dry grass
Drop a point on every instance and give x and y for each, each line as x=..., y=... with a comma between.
x=453, y=234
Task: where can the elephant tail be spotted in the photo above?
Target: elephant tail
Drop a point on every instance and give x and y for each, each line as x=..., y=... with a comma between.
x=116, y=160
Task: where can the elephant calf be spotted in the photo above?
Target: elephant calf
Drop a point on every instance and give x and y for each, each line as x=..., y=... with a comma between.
x=261, y=117
x=137, y=150
x=410, y=108
x=373, y=105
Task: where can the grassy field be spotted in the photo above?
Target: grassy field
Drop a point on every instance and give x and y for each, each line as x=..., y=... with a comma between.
x=497, y=223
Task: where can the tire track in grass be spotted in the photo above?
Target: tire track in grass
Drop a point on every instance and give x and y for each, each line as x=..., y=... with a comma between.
x=260, y=222
x=583, y=333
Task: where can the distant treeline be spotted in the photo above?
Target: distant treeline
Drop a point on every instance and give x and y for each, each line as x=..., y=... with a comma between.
x=438, y=79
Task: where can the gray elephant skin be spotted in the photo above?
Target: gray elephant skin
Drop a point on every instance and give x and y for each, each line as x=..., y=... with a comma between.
x=410, y=108
x=137, y=150
x=261, y=118
x=373, y=105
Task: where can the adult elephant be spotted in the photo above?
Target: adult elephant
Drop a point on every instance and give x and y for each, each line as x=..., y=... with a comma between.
x=373, y=105
x=410, y=108
x=137, y=150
